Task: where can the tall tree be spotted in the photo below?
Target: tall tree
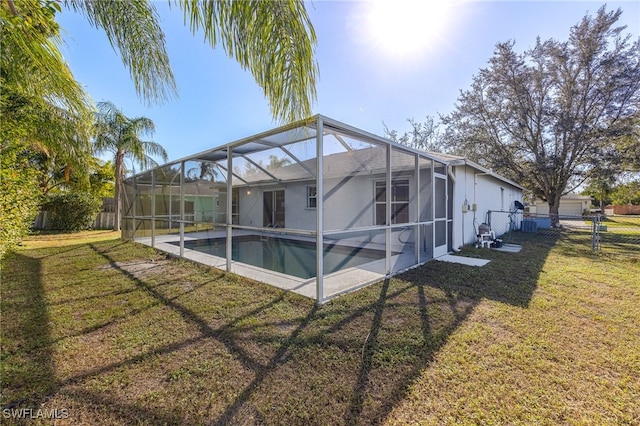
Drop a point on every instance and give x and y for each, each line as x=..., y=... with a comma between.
x=541, y=117
x=121, y=135
x=45, y=113
x=600, y=186
x=626, y=193
x=626, y=147
x=44, y=109
x=32, y=66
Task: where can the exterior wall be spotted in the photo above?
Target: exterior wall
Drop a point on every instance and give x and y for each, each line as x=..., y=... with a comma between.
x=297, y=215
x=250, y=206
x=487, y=193
x=353, y=205
x=350, y=206
x=349, y=203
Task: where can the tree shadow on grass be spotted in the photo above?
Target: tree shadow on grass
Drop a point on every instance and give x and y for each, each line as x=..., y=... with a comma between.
x=276, y=358
x=27, y=372
x=415, y=315
x=385, y=335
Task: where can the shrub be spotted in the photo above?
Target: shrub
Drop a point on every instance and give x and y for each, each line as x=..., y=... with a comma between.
x=72, y=211
x=19, y=200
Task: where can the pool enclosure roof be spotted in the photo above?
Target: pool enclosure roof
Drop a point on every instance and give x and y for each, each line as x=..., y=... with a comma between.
x=306, y=130
x=300, y=131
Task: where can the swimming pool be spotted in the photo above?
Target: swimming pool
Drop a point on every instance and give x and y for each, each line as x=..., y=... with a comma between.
x=291, y=257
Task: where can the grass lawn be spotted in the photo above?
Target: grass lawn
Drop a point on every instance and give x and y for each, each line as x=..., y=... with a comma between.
x=622, y=235
x=108, y=332
x=622, y=221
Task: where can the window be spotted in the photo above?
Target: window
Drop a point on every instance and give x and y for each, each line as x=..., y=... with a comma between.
x=399, y=202
x=312, y=198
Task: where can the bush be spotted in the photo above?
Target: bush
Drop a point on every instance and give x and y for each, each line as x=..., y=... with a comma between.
x=72, y=211
x=19, y=200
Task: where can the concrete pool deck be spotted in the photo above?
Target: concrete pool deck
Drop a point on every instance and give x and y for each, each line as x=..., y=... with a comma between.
x=334, y=284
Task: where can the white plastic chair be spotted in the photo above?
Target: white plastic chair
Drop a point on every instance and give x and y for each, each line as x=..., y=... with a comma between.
x=486, y=239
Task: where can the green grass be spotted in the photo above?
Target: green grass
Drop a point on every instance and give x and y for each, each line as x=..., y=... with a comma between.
x=622, y=236
x=116, y=333
x=622, y=221
x=51, y=239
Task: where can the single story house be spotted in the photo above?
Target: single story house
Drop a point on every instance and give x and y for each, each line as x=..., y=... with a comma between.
x=317, y=207
x=570, y=205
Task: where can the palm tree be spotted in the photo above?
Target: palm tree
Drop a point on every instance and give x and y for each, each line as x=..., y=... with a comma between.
x=32, y=64
x=45, y=109
x=121, y=135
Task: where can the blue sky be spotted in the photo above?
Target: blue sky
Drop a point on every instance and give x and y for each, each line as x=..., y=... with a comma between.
x=372, y=71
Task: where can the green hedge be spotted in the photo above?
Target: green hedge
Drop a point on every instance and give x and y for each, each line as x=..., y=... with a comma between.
x=19, y=201
x=72, y=211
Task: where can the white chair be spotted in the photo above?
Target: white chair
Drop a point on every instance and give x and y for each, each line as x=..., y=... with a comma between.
x=486, y=239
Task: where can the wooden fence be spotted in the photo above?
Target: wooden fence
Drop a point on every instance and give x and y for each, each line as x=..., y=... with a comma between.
x=623, y=209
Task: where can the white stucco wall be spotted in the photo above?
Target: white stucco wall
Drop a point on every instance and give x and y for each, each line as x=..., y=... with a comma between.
x=487, y=193
x=348, y=203
x=250, y=206
x=352, y=206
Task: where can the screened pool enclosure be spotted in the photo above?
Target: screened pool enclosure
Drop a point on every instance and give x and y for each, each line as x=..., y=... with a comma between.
x=316, y=207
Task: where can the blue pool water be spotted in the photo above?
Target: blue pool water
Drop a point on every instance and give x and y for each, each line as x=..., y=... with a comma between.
x=291, y=257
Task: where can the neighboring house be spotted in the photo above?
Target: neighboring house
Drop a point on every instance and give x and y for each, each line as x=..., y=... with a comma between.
x=373, y=206
x=570, y=205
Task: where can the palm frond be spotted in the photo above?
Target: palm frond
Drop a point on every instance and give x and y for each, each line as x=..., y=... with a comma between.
x=274, y=40
x=31, y=62
x=142, y=126
x=156, y=150
x=133, y=28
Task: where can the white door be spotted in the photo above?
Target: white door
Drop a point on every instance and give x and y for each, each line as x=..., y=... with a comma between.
x=440, y=210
